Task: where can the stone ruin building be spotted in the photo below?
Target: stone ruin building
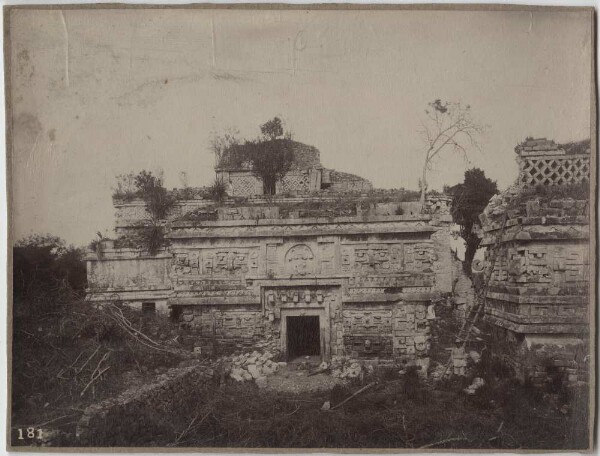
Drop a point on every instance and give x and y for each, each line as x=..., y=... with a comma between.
x=539, y=292
x=330, y=266
x=327, y=266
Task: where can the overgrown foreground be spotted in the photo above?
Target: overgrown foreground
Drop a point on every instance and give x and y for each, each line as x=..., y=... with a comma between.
x=58, y=353
x=386, y=417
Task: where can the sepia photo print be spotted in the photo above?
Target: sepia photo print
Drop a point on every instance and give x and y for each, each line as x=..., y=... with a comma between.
x=301, y=227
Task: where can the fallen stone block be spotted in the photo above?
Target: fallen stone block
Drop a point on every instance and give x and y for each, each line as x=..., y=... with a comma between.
x=254, y=371
x=261, y=382
x=236, y=377
x=478, y=382
x=476, y=357
x=247, y=376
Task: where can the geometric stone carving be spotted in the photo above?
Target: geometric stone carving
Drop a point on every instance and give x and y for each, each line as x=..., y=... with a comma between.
x=554, y=171
x=372, y=258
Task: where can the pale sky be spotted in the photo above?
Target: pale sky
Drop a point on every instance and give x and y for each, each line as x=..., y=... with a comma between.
x=97, y=93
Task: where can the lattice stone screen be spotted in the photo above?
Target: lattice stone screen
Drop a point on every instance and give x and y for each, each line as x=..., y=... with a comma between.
x=545, y=162
x=298, y=182
x=557, y=170
x=245, y=184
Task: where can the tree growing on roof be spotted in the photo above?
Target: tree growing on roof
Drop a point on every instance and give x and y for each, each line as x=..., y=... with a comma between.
x=272, y=129
x=271, y=160
x=469, y=199
x=270, y=157
x=449, y=126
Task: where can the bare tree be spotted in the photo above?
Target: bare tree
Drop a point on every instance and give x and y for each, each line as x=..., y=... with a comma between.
x=449, y=126
x=220, y=143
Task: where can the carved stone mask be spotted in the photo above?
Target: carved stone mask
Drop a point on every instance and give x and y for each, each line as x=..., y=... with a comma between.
x=299, y=260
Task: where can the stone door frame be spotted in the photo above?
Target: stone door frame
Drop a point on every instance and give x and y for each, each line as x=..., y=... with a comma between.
x=324, y=334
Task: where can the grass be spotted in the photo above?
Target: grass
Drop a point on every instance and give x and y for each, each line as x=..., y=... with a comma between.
x=400, y=411
x=387, y=416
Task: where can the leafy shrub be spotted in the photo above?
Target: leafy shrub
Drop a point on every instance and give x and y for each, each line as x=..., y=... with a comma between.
x=152, y=238
x=125, y=189
x=218, y=190
x=43, y=264
x=159, y=203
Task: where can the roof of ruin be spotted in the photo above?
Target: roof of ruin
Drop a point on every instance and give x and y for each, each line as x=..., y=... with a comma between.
x=305, y=156
x=542, y=145
x=338, y=176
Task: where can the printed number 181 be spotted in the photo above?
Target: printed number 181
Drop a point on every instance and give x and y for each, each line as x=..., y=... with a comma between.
x=30, y=433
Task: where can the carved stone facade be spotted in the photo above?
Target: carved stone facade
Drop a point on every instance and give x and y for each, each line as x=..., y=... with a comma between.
x=369, y=280
x=538, y=298
x=363, y=288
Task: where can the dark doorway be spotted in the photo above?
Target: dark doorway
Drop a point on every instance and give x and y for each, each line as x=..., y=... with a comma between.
x=148, y=308
x=303, y=336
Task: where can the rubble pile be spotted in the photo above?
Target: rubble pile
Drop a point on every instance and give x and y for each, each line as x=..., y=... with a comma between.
x=253, y=366
x=478, y=382
x=344, y=367
x=438, y=371
x=499, y=203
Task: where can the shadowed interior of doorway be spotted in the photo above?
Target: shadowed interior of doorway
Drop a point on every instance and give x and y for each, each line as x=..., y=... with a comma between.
x=303, y=336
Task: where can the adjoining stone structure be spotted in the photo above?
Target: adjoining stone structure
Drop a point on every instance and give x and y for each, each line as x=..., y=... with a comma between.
x=306, y=175
x=328, y=275
x=539, y=292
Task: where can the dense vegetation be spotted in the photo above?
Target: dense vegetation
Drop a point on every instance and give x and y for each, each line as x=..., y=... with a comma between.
x=469, y=199
x=43, y=265
x=150, y=235
x=270, y=156
x=68, y=353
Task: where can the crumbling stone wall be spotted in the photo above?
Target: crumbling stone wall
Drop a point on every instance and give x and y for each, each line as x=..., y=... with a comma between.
x=341, y=182
x=139, y=409
x=125, y=275
x=538, y=298
x=129, y=214
x=128, y=270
